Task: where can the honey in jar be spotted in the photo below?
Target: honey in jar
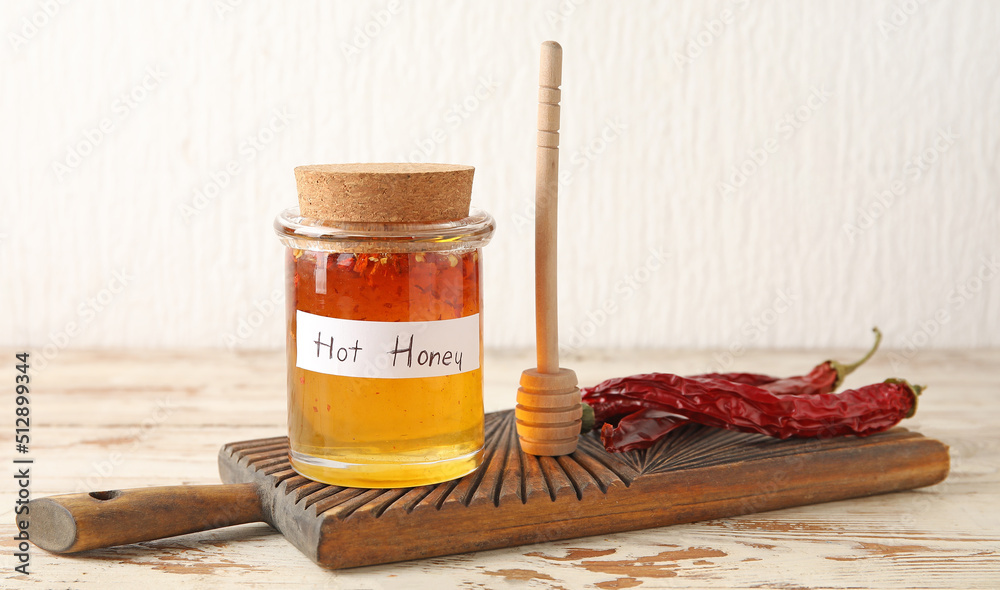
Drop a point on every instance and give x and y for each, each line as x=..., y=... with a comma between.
x=384, y=340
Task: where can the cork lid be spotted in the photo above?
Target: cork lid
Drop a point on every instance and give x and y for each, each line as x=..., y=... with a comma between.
x=386, y=193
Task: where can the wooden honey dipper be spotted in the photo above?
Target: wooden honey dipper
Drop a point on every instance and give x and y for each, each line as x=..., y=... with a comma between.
x=548, y=408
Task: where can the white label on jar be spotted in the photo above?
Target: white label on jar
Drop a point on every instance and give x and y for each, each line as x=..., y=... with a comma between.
x=386, y=350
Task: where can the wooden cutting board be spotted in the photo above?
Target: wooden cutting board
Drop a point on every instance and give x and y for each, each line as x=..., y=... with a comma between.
x=695, y=473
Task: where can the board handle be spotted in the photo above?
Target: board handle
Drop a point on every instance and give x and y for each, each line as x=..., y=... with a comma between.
x=77, y=522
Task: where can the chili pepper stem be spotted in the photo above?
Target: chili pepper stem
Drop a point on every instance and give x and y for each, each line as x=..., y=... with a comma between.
x=843, y=370
x=587, y=419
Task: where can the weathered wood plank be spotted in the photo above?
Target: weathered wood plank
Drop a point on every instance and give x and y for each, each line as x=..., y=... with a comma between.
x=945, y=536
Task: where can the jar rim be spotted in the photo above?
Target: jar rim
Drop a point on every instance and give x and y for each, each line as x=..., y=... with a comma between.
x=296, y=231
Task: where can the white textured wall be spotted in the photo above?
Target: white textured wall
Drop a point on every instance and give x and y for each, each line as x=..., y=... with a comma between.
x=663, y=101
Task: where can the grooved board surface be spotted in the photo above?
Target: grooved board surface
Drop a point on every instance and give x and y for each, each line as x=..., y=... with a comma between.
x=695, y=473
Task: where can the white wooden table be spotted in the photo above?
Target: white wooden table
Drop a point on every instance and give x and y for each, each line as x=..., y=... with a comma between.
x=119, y=419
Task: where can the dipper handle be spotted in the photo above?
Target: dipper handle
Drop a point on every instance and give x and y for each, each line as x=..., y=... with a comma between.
x=546, y=208
x=548, y=408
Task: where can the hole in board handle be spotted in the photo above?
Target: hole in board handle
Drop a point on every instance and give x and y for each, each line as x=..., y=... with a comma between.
x=106, y=495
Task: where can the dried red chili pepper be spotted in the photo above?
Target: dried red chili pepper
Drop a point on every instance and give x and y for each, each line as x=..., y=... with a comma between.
x=610, y=407
x=630, y=422
x=823, y=378
x=639, y=430
x=746, y=408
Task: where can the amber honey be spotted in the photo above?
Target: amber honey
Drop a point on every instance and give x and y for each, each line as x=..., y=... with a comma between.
x=365, y=431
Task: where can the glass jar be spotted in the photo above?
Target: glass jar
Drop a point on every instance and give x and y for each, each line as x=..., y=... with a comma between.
x=384, y=344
